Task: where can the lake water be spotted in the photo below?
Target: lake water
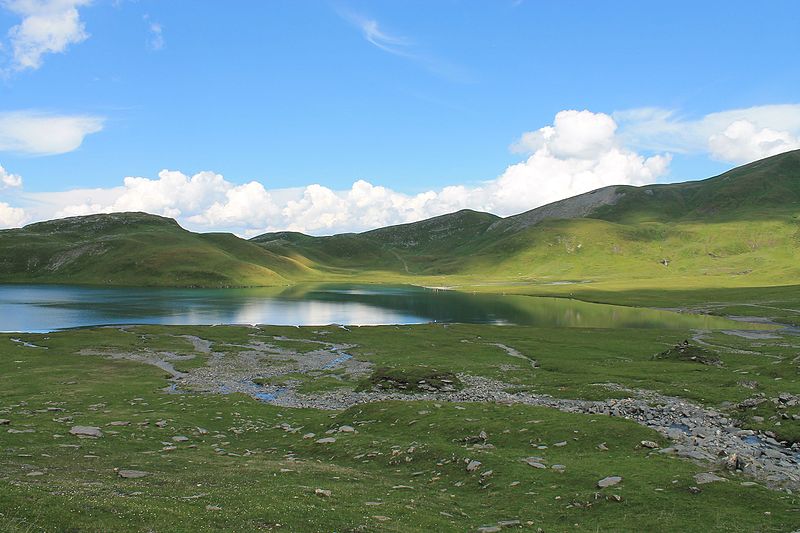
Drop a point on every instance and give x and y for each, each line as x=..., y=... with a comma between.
x=40, y=308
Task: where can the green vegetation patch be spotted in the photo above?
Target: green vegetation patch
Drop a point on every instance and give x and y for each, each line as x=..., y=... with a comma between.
x=685, y=351
x=415, y=379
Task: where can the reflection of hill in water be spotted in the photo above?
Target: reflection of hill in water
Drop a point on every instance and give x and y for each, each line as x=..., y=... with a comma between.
x=453, y=306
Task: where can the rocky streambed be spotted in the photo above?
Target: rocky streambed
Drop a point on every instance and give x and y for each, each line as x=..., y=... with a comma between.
x=695, y=432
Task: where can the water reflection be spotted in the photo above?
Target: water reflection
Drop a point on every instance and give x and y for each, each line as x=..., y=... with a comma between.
x=48, y=307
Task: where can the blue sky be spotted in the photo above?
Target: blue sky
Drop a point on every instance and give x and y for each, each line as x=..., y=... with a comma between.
x=266, y=113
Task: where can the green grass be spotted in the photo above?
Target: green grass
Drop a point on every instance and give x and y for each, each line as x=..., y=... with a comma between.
x=245, y=472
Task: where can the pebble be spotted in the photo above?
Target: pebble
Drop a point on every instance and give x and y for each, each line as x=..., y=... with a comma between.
x=326, y=440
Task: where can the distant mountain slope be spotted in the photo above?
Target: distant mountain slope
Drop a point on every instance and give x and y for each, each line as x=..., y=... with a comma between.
x=135, y=249
x=743, y=225
x=738, y=223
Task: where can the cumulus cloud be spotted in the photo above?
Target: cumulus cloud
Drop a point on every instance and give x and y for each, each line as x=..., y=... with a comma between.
x=734, y=136
x=47, y=26
x=743, y=141
x=11, y=217
x=9, y=180
x=37, y=133
x=579, y=152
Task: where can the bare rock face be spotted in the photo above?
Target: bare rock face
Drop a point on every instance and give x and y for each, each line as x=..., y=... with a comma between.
x=86, y=431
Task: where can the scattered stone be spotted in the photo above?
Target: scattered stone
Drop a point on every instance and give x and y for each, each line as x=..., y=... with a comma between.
x=707, y=477
x=535, y=462
x=117, y=423
x=560, y=444
x=326, y=440
x=473, y=466
x=381, y=518
x=347, y=429
x=602, y=447
x=509, y=523
x=86, y=432
x=695, y=490
x=132, y=474
x=559, y=468
x=649, y=444
x=322, y=493
x=4, y=421
x=180, y=438
x=609, y=481
x=34, y=474
x=12, y=430
x=213, y=508
x=490, y=529
x=309, y=435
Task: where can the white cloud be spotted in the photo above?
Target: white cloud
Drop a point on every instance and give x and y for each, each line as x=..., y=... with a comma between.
x=37, y=133
x=735, y=136
x=156, y=41
x=11, y=217
x=579, y=152
x=743, y=141
x=378, y=37
x=9, y=180
x=47, y=26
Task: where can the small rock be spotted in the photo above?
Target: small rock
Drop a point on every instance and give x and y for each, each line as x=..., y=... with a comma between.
x=4, y=421
x=326, y=440
x=309, y=435
x=602, y=447
x=86, y=431
x=213, y=508
x=649, y=444
x=695, y=490
x=132, y=474
x=508, y=523
x=559, y=468
x=490, y=529
x=322, y=493
x=609, y=481
x=34, y=474
x=473, y=466
x=560, y=444
x=118, y=423
x=347, y=429
x=180, y=438
x=707, y=477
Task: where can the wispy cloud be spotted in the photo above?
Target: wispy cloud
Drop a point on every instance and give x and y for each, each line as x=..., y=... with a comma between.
x=404, y=47
x=373, y=33
x=155, y=39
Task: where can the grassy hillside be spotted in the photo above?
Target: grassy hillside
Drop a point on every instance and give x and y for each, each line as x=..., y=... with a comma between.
x=741, y=228
x=135, y=249
x=737, y=229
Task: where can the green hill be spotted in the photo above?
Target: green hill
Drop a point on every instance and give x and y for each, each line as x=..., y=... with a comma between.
x=741, y=228
x=136, y=249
